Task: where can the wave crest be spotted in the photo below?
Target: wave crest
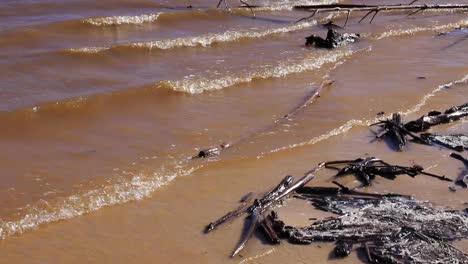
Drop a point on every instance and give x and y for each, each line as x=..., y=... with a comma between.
x=121, y=20
x=137, y=188
x=203, y=40
x=282, y=70
x=412, y=31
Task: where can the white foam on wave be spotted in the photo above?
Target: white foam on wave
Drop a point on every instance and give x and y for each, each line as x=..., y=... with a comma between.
x=201, y=41
x=87, y=50
x=283, y=69
x=137, y=188
x=366, y=122
x=210, y=39
x=121, y=20
x=412, y=31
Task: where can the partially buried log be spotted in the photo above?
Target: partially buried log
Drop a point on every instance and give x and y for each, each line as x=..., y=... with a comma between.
x=458, y=142
x=333, y=40
x=434, y=118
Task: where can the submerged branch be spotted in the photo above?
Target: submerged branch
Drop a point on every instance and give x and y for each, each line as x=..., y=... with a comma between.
x=351, y=7
x=375, y=9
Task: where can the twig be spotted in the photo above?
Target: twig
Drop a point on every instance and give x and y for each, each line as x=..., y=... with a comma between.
x=249, y=6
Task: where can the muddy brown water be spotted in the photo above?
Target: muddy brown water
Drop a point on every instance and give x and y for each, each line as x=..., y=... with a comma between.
x=102, y=104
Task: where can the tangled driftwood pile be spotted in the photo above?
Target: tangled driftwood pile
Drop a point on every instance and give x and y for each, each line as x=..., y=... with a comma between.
x=391, y=228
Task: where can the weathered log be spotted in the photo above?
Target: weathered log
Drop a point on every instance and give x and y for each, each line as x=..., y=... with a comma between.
x=272, y=195
x=318, y=192
x=458, y=142
x=258, y=208
x=267, y=226
x=333, y=39
x=434, y=118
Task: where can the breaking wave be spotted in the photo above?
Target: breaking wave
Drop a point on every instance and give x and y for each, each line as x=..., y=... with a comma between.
x=366, y=122
x=142, y=186
x=121, y=20
x=412, y=31
x=283, y=69
x=137, y=188
x=202, y=41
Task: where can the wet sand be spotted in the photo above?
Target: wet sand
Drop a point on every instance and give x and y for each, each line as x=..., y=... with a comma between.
x=96, y=144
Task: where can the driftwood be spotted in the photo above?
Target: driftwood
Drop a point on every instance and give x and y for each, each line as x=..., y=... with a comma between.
x=211, y=152
x=373, y=9
x=365, y=169
x=434, y=118
x=461, y=180
x=458, y=142
x=396, y=130
x=393, y=229
x=260, y=206
x=385, y=223
x=333, y=39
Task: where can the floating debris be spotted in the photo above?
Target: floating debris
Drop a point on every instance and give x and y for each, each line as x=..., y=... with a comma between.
x=333, y=40
x=210, y=152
